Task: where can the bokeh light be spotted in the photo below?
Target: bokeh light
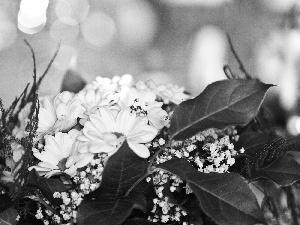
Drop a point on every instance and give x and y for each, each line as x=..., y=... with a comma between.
x=293, y=125
x=29, y=21
x=288, y=85
x=269, y=58
x=78, y=10
x=198, y=2
x=32, y=15
x=278, y=57
x=33, y=8
x=98, y=29
x=8, y=34
x=279, y=5
x=31, y=30
x=64, y=57
x=137, y=23
x=65, y=32
x=208, y=58
x=63, y=9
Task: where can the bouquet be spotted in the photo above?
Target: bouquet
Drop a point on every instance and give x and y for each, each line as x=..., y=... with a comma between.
x=133, y=153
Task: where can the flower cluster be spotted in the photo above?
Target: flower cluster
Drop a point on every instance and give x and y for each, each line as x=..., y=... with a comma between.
x=208, y=151
x=78, y=132
x=109, y=111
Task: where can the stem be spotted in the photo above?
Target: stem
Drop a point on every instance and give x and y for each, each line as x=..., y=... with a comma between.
x=34, y=61
x=40, y=200
x=242, y=68
x=167, y=145
x=150, y=170
x=137, y=182
x=48, y=67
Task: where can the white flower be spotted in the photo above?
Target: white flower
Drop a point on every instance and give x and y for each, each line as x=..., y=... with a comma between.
x=107, y=129
x=168, y=92
x=104, y=84
x=91, y=100
x=60, y=155
x=126, y=80
x=143, y=103
x=59, y=113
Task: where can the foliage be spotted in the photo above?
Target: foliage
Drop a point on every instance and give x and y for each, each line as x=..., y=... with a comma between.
x=8, y=217
x=109, y=202
x=220, y=128
x=224, y=197
x=221, y=104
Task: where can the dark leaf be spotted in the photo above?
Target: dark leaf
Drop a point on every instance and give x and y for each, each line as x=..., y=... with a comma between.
x=260, y=151
x=139, y=221
x=47, y=186
x=283, y=171
x=262, y=123
x=122, y=170
x=5, y=202
x=147, y=189
x=2, y=162
x=72, y=82
x=226, y=198
x=191, y=205
x=8, y=217
x=108, y=202
x=221, y=104
x=253, y=142
x=109, y=211
x=187, y=202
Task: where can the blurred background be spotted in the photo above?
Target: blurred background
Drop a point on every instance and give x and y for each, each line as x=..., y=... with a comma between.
x=179, y=41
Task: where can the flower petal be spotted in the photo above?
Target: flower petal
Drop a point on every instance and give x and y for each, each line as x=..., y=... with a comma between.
x=98, y=147
x=107, y=119
x=125, y=120
x=52, y=172
x=147, y=96
x=84, y=159
x=48, y=165
x=140, y=149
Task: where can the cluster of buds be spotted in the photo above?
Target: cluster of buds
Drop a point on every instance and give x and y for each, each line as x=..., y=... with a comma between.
x=87, y=181
x=208, y=151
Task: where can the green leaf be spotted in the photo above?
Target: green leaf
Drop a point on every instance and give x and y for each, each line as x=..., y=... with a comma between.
x=221, y=104
x=5, y=202
x=108, y=202
x=147, y=189
x=106, y=210
x=47, y=186
x=8, y=217
x=72, y=82
x=260, y=150
x=253, y=142
x=225, y=197
x=121, y=171
x=284, y=171
x=187, y=202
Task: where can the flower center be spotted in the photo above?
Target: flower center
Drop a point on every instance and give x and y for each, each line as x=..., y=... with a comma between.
x=137, y=108
x=118, y=134
x=62, y=164
x=114, y=138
